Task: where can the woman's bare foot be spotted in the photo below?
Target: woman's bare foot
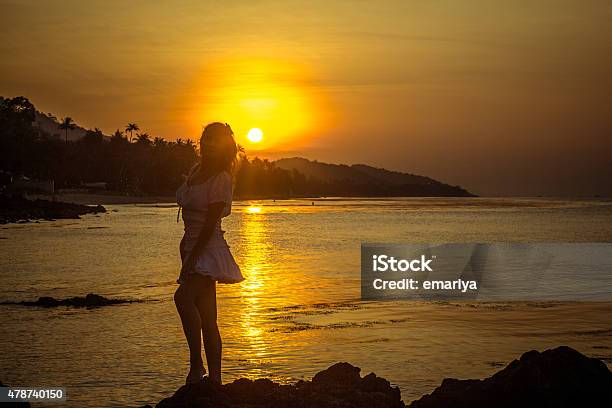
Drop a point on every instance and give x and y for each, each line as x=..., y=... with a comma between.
x=196, y=373
x=215, y=378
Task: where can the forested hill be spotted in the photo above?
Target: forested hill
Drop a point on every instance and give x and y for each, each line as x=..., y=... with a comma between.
x=370, y=180
x=51, y=126
x=133, y=162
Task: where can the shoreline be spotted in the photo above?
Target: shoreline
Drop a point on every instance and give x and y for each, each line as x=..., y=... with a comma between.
x=16, y=210
x=71, y=205
x=111, y=199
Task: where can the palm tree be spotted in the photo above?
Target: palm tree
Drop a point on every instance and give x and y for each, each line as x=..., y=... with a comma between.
x=67, y=124
x=131, y=127
x=159, y=142
x=118, y=137
x=143, y=138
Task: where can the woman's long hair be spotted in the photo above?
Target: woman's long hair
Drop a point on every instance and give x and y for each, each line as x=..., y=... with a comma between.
x=218, y=149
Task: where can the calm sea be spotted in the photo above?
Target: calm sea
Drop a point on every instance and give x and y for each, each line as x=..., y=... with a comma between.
x=298, y=310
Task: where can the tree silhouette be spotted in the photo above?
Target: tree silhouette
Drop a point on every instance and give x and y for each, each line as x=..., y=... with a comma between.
x=131, y=127
x=117, y=136
x=143, y=138
x=155, y=166
x=93, y=136
x=67, y=124
x=159, y=142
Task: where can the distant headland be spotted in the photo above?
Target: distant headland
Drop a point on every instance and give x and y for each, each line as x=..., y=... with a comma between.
x=38, y=150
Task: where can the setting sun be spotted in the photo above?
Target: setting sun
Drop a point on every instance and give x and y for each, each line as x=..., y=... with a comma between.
x=255, y=135
x=275, y=95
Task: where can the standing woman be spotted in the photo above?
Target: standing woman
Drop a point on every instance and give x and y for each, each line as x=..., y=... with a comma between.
x=205, y=198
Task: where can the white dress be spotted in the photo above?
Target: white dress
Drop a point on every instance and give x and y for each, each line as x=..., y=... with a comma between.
x=215, y=260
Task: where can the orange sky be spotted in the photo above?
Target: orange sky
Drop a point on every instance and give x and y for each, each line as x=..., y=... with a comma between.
x=500, y=98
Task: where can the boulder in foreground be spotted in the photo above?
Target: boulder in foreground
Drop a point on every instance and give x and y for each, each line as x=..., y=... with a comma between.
x=340, y=386
x=560, y=377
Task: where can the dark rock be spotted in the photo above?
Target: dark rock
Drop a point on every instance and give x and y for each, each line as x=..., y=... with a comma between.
x=248, y=390
x=89, y=301
x=20, y=210
x=561, y=377
x=44, y=301
x=93, y=300
x=340, y=386
x=340, y=374
x=372, y=383
x=203, y=394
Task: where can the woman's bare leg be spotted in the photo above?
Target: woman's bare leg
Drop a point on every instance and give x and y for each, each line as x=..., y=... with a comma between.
x=184, y=298
x=206, y=302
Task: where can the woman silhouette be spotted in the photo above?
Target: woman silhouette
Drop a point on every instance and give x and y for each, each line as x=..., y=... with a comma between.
x=205, y=198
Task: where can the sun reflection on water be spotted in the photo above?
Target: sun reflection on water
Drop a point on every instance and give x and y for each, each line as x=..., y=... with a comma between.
x=255, y=260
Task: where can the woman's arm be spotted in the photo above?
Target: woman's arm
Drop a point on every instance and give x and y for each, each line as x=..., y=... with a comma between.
x=213, y=215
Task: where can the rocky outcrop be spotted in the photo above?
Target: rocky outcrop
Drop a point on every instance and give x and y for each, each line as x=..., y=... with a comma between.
x=91, y=300
x=561, y=377
x=340, y=386
x=16, y=209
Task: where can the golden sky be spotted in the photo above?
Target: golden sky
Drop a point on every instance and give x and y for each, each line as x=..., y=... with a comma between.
x=499, y=97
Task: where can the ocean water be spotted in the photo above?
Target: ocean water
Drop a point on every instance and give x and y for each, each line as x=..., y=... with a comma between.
x=298, y=310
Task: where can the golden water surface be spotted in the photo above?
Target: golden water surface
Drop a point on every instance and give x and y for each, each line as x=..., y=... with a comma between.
x=297, y=312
